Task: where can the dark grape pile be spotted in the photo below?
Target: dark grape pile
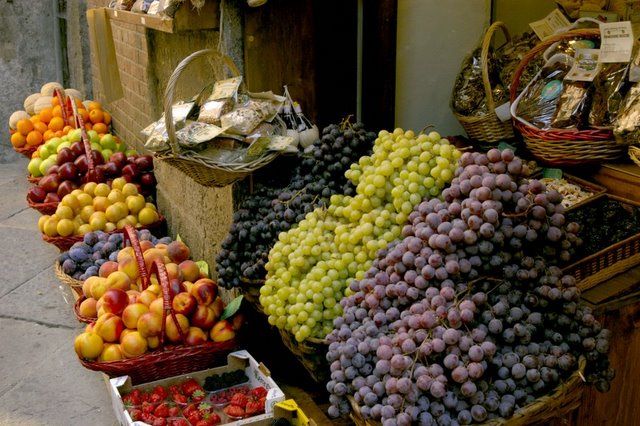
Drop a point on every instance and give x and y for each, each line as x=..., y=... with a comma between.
x=275, y=207
x=604, y=222
x=467, y=318
x=224, y=380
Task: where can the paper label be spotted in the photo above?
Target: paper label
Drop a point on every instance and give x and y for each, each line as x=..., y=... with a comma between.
x=224, y=89
x=616, y=42
x=586, y=65
x=550, y=24
x=503, y=112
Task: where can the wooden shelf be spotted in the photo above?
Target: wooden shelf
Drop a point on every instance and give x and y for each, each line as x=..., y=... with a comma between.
x=185, y=19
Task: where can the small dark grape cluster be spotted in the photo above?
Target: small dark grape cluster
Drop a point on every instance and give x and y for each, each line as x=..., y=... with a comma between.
x=224, y=380
x=275, y=207
x=467, y=318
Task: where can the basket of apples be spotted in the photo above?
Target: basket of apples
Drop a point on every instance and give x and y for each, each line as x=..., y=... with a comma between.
x=186, y=330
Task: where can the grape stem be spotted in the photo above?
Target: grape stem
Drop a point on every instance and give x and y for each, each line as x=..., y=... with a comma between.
x=346, y=122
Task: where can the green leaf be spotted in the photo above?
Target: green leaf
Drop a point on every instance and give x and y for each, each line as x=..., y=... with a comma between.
x=552, y=173
x=503, y=145
x=204, y=267
x=178, y=237
x=232, y=307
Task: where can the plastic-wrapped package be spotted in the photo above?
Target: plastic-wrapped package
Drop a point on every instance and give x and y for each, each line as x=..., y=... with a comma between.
x=510, y=55
x=573, y=105
x=468, y=90
x=609, y=88
x=537, y=104
x=627, y=124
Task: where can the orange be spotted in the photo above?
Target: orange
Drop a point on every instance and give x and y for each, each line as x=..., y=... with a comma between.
x=94, y=105
x=100, y=128
x=59, y=134
x=48, y=135
x=56, y=123
x=34, y=138
x=24, y=126
x=85, y=114
x=88, y=126
x=96, y=116
x=34, y=118
x=67, y=129
x=79, y=104
x=57, y=111
x=40, y=126
x=18, y=140
x=107, y=118
x=46, y=115
x=55, y=101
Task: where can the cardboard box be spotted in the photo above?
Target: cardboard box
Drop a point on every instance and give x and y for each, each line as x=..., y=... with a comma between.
x=258, y=375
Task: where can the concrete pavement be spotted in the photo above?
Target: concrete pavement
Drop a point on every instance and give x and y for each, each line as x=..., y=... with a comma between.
x=41, y=380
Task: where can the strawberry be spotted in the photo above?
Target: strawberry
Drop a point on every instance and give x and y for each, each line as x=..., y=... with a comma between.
x=258, y=392
x=189, y=386
x=160, y=391
x=198, y=395
x=148, y=407
x=214, y=419
x=179, y=422
x=253, y=408
x=162, y=410
x=132, y=398
x=174, y=411
x=205, y=408
x=189, y=409
x=239, y=399
x=135, y=413
x=159, y=421
x=194, y=418
x=179, y=398
x=234, y=411
x=148, y=418
x=155, y=397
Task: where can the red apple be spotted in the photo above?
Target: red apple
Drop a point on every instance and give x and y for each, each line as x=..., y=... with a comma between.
x=67, y=171
x=53, y=170
x=147, y=179
x=131, y=170
x=184, y=303
x=111, y=169
x=115, y=300
x=119, y=158
x=205, y=291
x=95, y=175
x=97, y=157
x=77, y=148
x=203, y=317
x=81, y=164
x=52, y=197
x=65, y=155
x=144, y=163
x=36, y=194
x=65, y=188
x=49, y=182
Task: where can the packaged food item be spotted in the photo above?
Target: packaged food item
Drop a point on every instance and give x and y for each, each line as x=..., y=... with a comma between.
x=241, y=121
x=573, y=105
x=468, y=90
x=609, y=88
x=510, y=55
x=156, y=136
x=627, y=124
x=538, y=102
x=195, y=133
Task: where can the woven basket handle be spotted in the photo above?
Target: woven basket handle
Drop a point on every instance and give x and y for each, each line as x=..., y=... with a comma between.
x=131, y=235
x=163, y=277
x=542, y=46
x=173, y=80
x=484, y=59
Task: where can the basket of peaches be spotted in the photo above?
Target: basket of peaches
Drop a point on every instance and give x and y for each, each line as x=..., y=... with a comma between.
x=147, y=321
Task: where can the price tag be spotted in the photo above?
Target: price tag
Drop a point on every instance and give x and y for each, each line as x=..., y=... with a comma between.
x=617, y=42
x=586, y=65
x=550, y=24
x=503, y=112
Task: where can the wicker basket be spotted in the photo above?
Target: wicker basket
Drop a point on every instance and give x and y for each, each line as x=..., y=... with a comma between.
x=75, y=285
x=65, y=243
x=311, y=353
x=168, y=360
x=565, y=398
x=488, y=127
x=26, y=150
x=557, y=146
x=608, y=262
x=251, y=292
x=44, y=208
x=33, y=179
x=634, y=154
x=204, y=171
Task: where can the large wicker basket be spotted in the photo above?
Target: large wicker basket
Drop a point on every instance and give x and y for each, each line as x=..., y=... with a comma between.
x=311, y=353
x=634, y=154
x=487, y=127
x=565, y=398
x=169, y=359
x=206, y=172
x=557, y=146
x=75, y=285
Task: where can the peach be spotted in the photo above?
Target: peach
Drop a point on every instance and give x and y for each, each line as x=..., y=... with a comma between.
x=109, y=326
x=151, y=255
x=184, y=303
x=173, y=271
x=124, y=253
x=146, y=297
x=133, y=344
x=195, y=336
x=218, y=307
x=173, y=330
x=107, y=268
x=145, y=245
x=125, y=332
x=153, y=342
x=222, y=331
x=98, y=287
x=88, y=308
x=115, y=300
x=150, y=324
x=132, y=313
x=88, y=345
x=111, y=352
x=205, y=291
x=119, y=280
x=133, y=295
x=157, y=305
x=190, y=270
x=178, y=251
x=203, y=317
x=86, y=286
x=129, y=266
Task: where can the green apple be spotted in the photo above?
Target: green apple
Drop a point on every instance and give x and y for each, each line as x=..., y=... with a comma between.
x=53, y=143
x=106, y=154
x=63, y=144
x=34, y=167
x=96, y=146
x=108, y=142
x=131, y=152
x=45, y=151
x=46, y=164
x=122, y=147
x=74, y=135
x=93, y=137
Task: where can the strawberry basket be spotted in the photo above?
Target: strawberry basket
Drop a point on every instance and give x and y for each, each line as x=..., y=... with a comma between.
x=169, y=359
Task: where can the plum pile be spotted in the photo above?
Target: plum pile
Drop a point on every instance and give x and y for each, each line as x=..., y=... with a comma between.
x=278, y=204
x=84, y=258
x=467, y=318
